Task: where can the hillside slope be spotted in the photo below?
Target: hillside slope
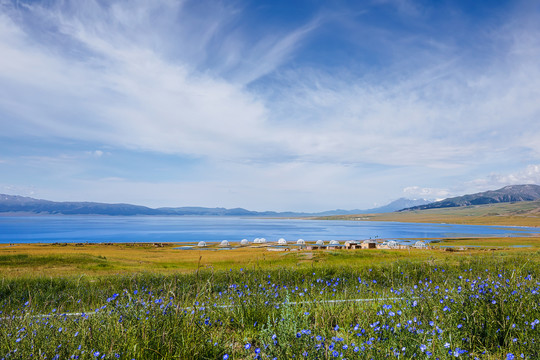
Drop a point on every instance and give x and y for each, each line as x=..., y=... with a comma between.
x=523, y=213
x=507, y=194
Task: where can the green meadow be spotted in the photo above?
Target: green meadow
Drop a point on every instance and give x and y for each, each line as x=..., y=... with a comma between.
x=255, y=304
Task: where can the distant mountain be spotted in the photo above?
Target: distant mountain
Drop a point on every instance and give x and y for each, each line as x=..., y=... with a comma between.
x=10, y=203
x=21, y=204
x=511, y=193
x=399, y=204
x=395, y=205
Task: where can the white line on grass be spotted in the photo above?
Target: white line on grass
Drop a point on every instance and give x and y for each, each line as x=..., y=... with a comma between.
x=224, y=306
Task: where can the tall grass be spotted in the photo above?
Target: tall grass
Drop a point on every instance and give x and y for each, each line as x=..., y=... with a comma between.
x=486, y=307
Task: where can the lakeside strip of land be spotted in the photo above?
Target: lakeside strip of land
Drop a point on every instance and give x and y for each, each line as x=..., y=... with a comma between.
x=121, y=258
x=525, y=213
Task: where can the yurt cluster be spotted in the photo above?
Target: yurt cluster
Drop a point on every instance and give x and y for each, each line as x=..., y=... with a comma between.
x=300, y=244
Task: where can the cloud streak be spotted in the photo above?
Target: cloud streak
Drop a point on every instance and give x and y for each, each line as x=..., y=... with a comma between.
x=160, y=77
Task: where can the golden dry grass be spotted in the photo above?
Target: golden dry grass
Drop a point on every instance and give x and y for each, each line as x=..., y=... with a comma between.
x=99, y=259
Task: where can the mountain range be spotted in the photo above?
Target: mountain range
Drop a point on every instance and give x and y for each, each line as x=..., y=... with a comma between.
x=511, y=193
x=14, y=204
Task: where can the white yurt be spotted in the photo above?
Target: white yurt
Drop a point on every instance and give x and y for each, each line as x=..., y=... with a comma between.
x=393, y=244
x=244, y=242
x=282, y=241
x=300, y=242
x=420, y=245
x=319, y=242
x=201, y=244
x=224, y=243
x=334, y=242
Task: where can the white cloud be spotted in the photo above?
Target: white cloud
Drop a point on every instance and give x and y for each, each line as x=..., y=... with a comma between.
x=155, y=76
x=528, y=175
x=127, y=90
x=425, y=193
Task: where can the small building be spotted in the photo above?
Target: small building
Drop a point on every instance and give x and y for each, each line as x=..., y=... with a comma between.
x=392, y=244
x=244, y=242
x=319, y=244
x=201, y=244
x=352, y=245
x=282, y=241
x=333, y=245
x=368, y=244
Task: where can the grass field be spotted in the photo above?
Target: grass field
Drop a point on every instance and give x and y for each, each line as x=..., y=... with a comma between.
x=99, y=259
x=479, y=299
x=482, y=305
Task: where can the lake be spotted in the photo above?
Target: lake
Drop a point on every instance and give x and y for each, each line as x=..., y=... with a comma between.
x=94, y=229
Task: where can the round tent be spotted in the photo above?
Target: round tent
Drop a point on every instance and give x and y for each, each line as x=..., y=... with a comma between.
x=282, y=241
x=392, y=244
x=244, y=242
x=201, y=244
x=420, y=244
x=224, y=243
x=301, y=242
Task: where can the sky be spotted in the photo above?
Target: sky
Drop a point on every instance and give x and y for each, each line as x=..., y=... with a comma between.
x=279, y=105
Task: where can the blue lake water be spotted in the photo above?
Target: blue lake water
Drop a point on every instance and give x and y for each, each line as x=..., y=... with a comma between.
x=50, y=229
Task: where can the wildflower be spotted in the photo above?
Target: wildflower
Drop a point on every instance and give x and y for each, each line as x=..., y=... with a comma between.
x=510, y=356
x=225, y=357
x=247, y=346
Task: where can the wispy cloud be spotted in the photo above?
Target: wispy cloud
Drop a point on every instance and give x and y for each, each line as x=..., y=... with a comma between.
x=202, y=80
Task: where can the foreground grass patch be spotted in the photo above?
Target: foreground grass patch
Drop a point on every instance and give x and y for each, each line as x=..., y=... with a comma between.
x=482, y=306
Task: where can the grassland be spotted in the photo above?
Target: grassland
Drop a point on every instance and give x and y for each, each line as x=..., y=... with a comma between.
x=483, y=305
x=101, y=259
x=97, y=301
x=525, y=213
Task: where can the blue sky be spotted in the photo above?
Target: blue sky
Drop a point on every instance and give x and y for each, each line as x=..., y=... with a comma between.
x=279, y=105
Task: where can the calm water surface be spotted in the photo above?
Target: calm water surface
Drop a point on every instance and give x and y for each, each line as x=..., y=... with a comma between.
x=49, y=229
